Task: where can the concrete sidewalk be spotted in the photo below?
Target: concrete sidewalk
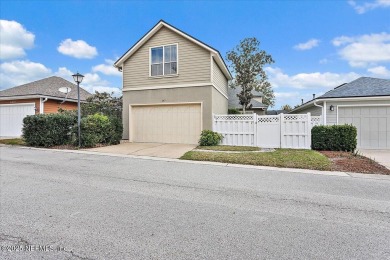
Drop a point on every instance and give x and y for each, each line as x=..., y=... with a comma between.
x=380, y=156
x=147, y=149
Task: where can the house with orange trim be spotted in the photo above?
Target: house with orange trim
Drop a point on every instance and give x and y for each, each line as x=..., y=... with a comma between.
x=38, y=97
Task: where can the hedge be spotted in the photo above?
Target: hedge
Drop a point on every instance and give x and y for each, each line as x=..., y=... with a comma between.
x=334, y=138
x=48, y=129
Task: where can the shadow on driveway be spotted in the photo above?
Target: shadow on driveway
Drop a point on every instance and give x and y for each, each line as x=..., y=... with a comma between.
x=147, y=149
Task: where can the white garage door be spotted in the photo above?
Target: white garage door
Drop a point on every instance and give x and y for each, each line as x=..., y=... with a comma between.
x=166, y=123
x=372, y=123
x=11, y=118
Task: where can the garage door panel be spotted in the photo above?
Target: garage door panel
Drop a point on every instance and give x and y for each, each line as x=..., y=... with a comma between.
x=11, y=118
x=372, y=123
x=179, y=123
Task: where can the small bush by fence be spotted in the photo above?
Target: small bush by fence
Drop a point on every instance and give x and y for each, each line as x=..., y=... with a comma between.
x=209, y=138
x=334, y=138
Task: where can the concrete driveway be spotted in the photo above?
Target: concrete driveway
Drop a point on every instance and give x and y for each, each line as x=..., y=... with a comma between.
x=147, y=149
x=380, y=156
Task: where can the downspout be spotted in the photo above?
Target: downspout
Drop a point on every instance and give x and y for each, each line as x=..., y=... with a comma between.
x=322, y=112
x=41, y=109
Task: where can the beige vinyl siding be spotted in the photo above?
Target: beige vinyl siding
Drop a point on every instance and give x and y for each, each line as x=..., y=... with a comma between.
x=218, y=78
x=220, y=103
x=193, y=63
x=331, y=116
x=313, y=110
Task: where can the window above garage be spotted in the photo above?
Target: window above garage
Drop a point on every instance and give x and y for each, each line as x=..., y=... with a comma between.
x=163, y=61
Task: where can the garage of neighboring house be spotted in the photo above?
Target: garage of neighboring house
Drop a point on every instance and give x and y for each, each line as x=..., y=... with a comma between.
x=166, y=123
x=364, y=103
x=372, y=123
x=11, y=118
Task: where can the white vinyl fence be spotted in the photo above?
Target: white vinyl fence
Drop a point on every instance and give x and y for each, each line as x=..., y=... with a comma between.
x=280, y=131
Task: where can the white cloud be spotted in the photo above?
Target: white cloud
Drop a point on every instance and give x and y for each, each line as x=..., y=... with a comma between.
x=324, y=61
x=379, y=71
x=64, y=73
x=107, y=69
x=92, y=82
x=313, y=80
x=307, y=45
x=15, y=39
x=364, y=50
x=19, y=72
x=367, y=6
x=78, y=49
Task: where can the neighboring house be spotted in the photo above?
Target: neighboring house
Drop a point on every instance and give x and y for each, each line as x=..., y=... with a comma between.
x=256, y=104
x=38, y=97
x=364, y=103
x=172, y=85
x=276, y=112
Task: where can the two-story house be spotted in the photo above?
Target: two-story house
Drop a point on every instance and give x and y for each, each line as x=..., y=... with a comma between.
x=172, y=86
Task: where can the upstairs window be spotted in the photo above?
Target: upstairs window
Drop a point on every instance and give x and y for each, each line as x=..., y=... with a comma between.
x=163, y=60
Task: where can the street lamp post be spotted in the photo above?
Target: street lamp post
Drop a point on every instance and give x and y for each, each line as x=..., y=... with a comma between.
x=78, y=78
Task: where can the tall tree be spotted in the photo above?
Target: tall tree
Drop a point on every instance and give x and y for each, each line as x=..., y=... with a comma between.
x=286, y=107
x=104, y=103
x=247, y=62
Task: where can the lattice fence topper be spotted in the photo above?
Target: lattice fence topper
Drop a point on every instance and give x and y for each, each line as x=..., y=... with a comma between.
x=233, y=117
x=316, y=120
x=294, y=117
x=268, y=119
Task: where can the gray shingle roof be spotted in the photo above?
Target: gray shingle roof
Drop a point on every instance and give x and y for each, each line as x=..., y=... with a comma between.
x=361, y=87
x=46, y=87
x=234, y=102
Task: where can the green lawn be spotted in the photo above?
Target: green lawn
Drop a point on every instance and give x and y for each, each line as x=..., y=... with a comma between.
x=14, y=141
x=287, y=158
x=229, y=148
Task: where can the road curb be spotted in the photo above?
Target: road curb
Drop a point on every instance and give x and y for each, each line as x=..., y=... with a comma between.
x=244, y=166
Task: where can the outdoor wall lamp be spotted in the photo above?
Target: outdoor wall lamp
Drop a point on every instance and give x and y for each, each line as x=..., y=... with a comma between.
x=78, y=78
x=331, y=108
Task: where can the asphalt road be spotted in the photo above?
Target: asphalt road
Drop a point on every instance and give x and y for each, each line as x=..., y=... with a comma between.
x=57, y=205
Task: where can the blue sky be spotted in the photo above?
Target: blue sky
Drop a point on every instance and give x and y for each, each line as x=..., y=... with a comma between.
x=317, y=45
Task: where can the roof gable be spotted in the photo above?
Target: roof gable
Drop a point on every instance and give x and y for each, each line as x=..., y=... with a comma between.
x=217, y=56
x=46, y=87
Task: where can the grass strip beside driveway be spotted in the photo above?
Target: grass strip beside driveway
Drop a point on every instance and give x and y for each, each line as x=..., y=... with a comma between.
x=13, y=141
x=286, y=158
x=229, y=148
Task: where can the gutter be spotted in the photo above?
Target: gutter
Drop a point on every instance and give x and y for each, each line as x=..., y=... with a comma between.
x=42, y=105
x=323, y=111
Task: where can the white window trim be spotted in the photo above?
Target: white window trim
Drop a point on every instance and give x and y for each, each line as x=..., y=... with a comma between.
x=177, y=61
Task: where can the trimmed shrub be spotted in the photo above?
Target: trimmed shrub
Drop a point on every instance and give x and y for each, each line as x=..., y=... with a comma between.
x=117, y=130
x=209, y=138
x=334, y=138
x=233, y=111
x=48, y=129
x=95, y=129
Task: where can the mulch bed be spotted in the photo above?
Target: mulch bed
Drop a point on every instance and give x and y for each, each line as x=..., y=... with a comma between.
x=348, y=162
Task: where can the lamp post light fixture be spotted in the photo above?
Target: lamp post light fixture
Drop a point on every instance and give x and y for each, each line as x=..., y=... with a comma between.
x=78, y=78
